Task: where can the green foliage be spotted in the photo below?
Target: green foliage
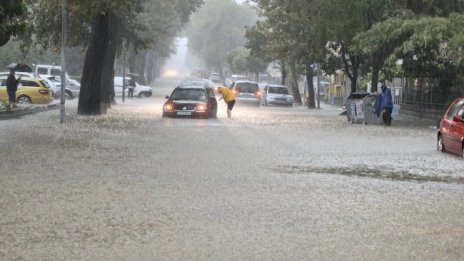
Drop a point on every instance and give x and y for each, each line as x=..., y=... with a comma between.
x=240, y=61
x=12, y=22
x=237, y=60
x=81, y=12
x=432, y=40
x=217, y=29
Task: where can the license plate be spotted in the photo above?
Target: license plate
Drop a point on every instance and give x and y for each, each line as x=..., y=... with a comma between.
x=184, y=113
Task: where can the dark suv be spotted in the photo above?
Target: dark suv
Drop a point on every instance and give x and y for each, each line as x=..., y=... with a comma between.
x=246, y=92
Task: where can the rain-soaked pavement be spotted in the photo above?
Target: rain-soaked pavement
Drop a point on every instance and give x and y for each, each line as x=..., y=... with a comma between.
x=273, y=183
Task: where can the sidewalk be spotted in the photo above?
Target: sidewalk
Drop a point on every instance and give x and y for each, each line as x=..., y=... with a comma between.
x=22, y=110
x=398, y=120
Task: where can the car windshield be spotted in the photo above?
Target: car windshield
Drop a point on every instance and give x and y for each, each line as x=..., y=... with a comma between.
x=246, y=87
x=278, y=90
x=188, y=94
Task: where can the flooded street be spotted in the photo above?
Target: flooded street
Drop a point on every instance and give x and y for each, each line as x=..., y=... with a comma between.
x=273, y=183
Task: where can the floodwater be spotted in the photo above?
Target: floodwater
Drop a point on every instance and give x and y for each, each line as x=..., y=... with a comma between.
x=273, y=183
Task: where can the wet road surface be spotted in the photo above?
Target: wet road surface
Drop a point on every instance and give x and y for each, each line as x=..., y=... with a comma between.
x=273, y=183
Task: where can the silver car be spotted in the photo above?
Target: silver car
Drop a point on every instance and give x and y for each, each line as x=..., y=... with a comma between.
x=246, y=92
x=277, y=95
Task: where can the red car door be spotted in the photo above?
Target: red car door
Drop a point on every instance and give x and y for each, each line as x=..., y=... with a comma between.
x=448, y=126
x=456, y=131
x=451, y=127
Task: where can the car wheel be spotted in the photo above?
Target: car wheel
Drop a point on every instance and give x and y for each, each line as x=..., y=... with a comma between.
x=440, y=146
x=142, y=95
x=68, y=95
x=23, y=99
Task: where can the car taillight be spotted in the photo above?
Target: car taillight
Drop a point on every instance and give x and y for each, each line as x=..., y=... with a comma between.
x=44, y=91
x=168, y=107
x=201, y=107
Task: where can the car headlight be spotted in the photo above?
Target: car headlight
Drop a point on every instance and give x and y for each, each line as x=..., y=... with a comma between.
x=201, y=108
x=168, y=107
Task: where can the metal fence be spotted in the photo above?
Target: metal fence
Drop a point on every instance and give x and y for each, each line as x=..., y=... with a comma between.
x=423, y=110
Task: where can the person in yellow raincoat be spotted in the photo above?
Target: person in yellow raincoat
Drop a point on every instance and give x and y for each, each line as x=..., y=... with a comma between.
x=229, y=97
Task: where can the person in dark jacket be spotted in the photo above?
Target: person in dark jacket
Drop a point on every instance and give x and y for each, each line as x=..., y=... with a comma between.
x=131, y=87
x=11, y=87
x=384, y=103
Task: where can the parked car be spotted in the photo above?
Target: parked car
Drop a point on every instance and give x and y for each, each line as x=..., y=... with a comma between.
x=54, y=86
x=191, y=101
x=246, y=92
x=450, y=135
x=277, y=95
x=72, y=89
x=30, y=90
x=139, y=90
x=216, y=78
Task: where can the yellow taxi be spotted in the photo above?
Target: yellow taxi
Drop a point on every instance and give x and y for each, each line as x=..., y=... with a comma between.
x=30, y=90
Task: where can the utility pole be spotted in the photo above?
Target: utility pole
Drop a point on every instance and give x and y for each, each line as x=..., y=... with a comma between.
x=318, y=66
x=123, y=70
x=64, y=14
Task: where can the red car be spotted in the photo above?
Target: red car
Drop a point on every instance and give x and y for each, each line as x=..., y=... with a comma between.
x=450, y=136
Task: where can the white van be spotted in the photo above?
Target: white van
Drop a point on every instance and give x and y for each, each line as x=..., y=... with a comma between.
x=45, y=69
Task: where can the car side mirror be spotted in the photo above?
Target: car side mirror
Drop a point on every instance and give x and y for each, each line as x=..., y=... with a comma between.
x=458, y=118
x=167, y=97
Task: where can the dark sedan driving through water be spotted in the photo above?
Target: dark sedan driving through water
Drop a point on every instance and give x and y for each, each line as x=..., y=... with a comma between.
x=191, y=101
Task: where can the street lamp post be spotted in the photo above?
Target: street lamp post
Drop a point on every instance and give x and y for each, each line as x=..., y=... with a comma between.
x=318, y=66
x=63, y=61
x=123, y=70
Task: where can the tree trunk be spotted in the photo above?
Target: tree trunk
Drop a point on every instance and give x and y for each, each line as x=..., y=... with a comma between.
x=98, y=73
x=294, y=83
x=377, y=62
x=309, y=81
x=150, y=67
x=140, y=66
x=107, y=78
x=284, y=73
x=351, y=67
x=143, y=68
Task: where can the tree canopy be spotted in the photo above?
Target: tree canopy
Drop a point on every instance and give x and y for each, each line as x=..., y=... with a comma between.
x=12, y=23
x=363, y=37
x=101, y=27
x=218, y=28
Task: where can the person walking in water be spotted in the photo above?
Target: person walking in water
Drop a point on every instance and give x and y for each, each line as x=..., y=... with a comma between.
x=229, y=97
x=384, y=103
x=12, y=87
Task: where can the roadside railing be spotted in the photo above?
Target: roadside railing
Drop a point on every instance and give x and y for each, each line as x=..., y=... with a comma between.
x=433, y=111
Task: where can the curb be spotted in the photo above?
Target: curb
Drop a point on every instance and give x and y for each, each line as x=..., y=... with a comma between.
x=26, y=110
